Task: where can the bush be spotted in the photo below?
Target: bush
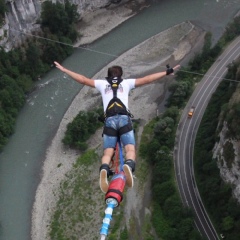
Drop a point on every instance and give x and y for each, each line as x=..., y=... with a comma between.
x=81, y=128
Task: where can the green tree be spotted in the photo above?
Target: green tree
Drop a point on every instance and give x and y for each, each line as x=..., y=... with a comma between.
x=55, y=18
x=170, y=234
x=233, y=29
x=11, y=95
x=3, y=9
x=227, y=223
x=185, y=228
x=162, y=191
x=81, y=128
x=173, y=210
x=33, y=65
x=53, y=50
x=172, y=112
x=24, y=82
x=60, y=19
x=71, y=11
x=6, y=127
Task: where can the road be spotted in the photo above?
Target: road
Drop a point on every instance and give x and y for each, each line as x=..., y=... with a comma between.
x=185, y=138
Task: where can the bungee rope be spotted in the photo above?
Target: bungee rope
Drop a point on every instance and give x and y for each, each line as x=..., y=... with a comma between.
x=114, y=163
x=117, y=158
x=120, y=154
x=107, y=219
x=114, y=195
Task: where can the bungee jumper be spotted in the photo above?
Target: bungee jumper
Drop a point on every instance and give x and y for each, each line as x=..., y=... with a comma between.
x=117, y=131
x=117, y=123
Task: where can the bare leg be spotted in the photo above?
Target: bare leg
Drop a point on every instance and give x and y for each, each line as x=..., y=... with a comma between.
x=130, y=152
x=107, y=155
x=129, y=165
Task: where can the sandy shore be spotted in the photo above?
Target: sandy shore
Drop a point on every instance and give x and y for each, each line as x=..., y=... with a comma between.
x=107, y=20
x=170, y=46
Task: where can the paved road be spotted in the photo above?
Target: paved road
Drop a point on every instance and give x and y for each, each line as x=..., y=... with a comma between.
x=186, y=133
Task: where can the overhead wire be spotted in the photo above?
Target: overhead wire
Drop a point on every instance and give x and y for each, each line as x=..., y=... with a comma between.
x=202, y=74
x=63, y=43
x=112, y=55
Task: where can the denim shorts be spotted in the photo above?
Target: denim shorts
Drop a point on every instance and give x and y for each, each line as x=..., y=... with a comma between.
x=117, y=122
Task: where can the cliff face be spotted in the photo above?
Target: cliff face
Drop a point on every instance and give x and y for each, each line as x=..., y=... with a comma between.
x=227, y=153
x=229, y=171
x=22, y=16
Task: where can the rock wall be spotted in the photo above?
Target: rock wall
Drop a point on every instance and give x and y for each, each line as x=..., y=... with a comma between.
x=4, y=31
x=21, y=18
x=229, y=174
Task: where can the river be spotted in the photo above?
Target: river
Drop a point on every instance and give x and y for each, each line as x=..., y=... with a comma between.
x=23, y=156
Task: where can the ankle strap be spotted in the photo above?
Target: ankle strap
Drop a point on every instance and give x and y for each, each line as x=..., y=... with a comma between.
x=131, y=164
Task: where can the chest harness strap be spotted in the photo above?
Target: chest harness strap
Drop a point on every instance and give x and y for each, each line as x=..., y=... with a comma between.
x=116, y=106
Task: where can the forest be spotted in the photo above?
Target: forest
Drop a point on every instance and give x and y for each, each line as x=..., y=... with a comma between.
x=21, y=67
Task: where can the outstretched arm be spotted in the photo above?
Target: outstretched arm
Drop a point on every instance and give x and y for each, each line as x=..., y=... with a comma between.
x=153, y=77
x=77, y=77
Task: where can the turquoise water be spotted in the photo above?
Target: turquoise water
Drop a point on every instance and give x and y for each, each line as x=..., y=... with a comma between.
x=22, y=158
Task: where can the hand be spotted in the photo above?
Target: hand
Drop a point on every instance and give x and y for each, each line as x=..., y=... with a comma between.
x=176, y=67
x=60, y=67
x=170, y=71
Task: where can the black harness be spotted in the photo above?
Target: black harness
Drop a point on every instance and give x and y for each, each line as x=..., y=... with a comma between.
x=116, y=106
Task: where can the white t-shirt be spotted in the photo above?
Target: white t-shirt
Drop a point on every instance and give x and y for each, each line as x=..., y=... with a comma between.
x=122, y=93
